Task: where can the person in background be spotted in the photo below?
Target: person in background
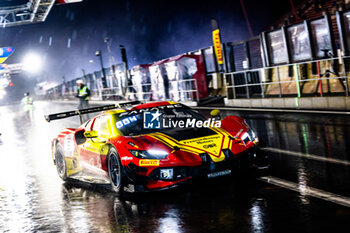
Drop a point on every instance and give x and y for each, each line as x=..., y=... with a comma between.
x=28, y=107
x=83, y=95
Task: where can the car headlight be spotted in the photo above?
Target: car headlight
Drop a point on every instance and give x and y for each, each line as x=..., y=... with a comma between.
x=149, y=154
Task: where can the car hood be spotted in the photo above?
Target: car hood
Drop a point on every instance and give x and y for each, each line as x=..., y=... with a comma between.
x=192, y=140
x=196, y=140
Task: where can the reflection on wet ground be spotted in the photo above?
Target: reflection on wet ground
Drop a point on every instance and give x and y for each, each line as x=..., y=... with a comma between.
x=326, y=136
x=33, y=198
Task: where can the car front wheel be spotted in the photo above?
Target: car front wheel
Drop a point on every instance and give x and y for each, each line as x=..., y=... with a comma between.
x=115, y=170
x=60, y=161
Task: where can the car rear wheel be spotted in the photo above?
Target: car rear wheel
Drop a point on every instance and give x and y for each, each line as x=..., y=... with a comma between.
x=60, y=161
x=115, y=170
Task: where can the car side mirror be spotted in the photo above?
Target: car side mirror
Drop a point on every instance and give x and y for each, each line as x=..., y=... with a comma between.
x=215, y=113
x=90, y=134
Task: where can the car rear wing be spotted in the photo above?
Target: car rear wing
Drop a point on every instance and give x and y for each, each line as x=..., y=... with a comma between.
x=62, y=115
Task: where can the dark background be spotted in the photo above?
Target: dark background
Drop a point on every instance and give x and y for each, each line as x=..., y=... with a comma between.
x=150, y=31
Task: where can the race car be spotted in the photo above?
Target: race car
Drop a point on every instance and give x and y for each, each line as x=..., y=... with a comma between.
x=152, y=146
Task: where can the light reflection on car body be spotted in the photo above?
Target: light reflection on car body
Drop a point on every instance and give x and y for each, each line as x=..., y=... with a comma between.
x=155, y=159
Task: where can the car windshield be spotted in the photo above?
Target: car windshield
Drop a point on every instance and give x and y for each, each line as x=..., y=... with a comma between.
x=132, y=124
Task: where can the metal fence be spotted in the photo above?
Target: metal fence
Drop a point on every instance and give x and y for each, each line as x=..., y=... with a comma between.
x=324, y=77
x=281, y=62
x=186, y=90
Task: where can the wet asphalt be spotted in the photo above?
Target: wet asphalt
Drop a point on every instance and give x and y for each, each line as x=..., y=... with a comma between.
x=308, y=150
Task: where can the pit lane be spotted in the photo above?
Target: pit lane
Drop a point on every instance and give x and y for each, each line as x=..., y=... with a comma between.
x=307, y=189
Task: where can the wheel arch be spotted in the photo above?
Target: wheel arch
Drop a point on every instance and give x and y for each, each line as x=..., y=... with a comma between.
x=110, y=145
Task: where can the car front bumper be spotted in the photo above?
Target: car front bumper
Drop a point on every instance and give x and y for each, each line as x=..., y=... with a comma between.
x=252, y=160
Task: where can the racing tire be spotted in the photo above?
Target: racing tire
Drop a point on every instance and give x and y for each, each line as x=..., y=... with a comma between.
x=115, y=170
x=60, y=162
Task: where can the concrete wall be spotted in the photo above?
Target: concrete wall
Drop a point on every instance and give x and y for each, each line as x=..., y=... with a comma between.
x=324, y=103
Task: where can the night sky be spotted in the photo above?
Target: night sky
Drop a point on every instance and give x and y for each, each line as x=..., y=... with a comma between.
x=150, y=30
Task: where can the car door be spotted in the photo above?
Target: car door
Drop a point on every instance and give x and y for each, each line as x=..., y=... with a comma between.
x=94, y=150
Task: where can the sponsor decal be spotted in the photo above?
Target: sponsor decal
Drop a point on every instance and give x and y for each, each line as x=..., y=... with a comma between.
x=153, y=109
x=148, y=162
x=125, y=121
x=220, y=173
x=88, y=134
x=202, y=141
x=127, y=158
x=209, y=146
x=69, y=146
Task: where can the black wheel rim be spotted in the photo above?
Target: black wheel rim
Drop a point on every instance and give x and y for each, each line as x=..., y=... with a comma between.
x=114, y=170
x=60, y=164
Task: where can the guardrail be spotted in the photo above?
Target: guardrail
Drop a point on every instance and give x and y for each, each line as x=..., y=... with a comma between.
x=185, y=94
x=144, y=92
x=291, y=79
x=140, y=91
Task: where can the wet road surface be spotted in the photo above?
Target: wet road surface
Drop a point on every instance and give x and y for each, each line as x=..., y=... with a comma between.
x=307, y=190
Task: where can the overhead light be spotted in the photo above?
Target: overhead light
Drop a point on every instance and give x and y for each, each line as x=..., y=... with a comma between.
x=32, y=63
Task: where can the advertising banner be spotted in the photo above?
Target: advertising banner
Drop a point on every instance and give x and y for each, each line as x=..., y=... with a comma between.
x=217, y=46
x=5, y=53
x=217, y=41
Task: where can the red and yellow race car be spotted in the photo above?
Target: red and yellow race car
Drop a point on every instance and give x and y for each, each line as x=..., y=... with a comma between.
x=151, y=146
